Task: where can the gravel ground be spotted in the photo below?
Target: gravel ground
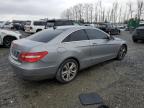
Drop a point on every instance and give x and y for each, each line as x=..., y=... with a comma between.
x=119, y=83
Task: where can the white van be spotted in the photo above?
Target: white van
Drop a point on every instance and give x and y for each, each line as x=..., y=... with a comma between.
x=34, y=26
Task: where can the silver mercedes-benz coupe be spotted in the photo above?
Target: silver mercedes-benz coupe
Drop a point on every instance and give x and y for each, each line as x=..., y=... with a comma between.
x=63, y=51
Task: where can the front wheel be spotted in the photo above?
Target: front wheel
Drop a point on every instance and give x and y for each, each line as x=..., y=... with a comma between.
x=135, y=40
x=67, y=71
x=122, y=52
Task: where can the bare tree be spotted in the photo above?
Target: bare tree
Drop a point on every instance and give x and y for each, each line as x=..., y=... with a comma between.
x=98, y=13
x=140, y=8
x=91, y=12
x=80, y=8
x=131, y=11
x=66, y=14
x=108, y=14
x=120, y=14
x=115, y=11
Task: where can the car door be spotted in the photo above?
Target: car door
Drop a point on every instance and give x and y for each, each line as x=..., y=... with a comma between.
x=102, y=47
x=77, y=45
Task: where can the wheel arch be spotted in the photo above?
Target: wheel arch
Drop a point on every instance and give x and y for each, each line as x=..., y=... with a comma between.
x=15, y=38
x=10, y=36
x=125, y=46
x=74, y=58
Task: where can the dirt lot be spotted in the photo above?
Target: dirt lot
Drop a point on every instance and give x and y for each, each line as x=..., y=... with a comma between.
x=119, y=83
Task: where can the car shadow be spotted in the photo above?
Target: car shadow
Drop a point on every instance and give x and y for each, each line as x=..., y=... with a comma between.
x=99, y=65
x=56, y=83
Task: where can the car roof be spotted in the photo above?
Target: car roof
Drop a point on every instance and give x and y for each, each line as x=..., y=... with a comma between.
x=141, y=27
x=54, y=20
x=75, y=27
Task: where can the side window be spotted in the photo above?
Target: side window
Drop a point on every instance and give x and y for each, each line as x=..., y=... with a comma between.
x=38, y=23
x=96, y=34
x=59, y=23
x=76, y=36
x=62, y=23
x=68, y=23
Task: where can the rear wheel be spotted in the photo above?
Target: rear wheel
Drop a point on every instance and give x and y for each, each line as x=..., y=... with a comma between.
x=39, y=30
x=135, y=40
x=122, y=52
x=67, y=71
x=8, y=40
x=119, y=32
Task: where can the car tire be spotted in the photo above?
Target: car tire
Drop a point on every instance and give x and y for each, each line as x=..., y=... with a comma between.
x=38, y=30
x=7, y=41
x=135, y=40
x=65, y=74
x=119, y=32
x=122, y=52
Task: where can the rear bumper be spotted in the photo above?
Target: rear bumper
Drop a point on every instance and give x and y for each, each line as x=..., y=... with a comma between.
x=31, y=73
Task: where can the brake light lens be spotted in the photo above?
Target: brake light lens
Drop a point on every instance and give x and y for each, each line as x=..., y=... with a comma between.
x=32, y=57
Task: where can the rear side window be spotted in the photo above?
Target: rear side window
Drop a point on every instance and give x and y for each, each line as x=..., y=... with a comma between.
x=96, y=34
x=45, y=35
x=39, y=23
x=76, y=36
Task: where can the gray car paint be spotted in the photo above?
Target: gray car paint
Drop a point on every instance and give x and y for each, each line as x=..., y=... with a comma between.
x=87, y=52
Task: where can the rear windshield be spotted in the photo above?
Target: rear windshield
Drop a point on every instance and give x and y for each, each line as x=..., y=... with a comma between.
x=45, y=35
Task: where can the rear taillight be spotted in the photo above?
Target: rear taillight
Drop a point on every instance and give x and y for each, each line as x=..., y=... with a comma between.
x=32, y=56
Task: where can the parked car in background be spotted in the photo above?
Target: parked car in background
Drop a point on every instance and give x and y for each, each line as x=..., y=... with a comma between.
x=121, y=28
x=6, y=25
x=91, y=25
x=109, y=28
x=60, y=22
x=19, y=25
x=138, y=34
x=1, y=23
x=34, y=26
x=61, y=52
x=7, y=36
x=141, y=25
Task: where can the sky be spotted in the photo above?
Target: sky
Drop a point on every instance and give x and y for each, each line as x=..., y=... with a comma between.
x=38, y=9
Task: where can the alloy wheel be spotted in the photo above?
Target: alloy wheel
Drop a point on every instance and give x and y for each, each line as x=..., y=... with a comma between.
x=69, y=71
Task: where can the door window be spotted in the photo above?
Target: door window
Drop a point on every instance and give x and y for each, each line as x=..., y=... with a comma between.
x=76, y=36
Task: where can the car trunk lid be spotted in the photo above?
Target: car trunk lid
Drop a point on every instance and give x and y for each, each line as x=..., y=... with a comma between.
x=23, y=45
